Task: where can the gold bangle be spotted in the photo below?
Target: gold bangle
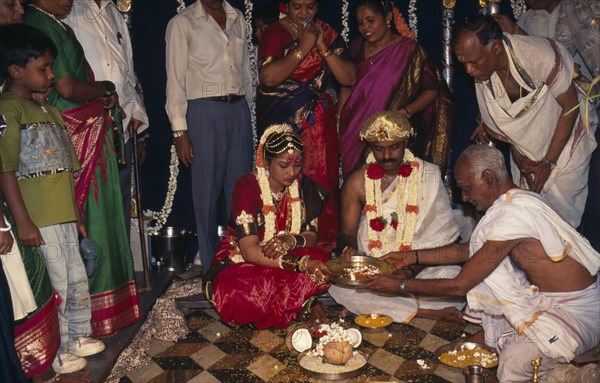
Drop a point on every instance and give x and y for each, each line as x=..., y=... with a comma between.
x=292, y=247
x=303, y=241
x=326, y=53
x=303, y=263
x=298, y=54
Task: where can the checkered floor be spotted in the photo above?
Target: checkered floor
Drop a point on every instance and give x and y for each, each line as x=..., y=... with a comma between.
x=214, y=352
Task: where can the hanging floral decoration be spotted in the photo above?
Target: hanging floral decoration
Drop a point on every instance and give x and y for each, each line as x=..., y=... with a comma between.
x=269, y=209
x=518, y=7
x=181, y=6
x=160, y=217
x=345, y=26
x=412, y=17
x=400, y=24
x=406, y=185
x=253, y=66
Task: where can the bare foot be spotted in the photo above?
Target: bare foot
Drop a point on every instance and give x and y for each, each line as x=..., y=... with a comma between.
x=449, y=314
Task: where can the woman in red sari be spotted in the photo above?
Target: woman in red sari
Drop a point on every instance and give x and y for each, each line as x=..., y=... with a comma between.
x=393, y=73
x=299, y=58
x=267, y=270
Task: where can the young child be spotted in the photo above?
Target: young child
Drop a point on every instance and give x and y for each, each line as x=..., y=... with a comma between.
x=37, y=161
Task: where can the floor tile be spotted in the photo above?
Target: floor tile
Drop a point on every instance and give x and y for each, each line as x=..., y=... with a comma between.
x=386, y=361
x=157, y=346
x=266, y=367
x=204, y=377
x=214, y=330
x=423, y=323
x=448, y=331
x=236, y=376
x=232, y=362
x=193, y=337
x=181, y=349
x=208, y=355
x=197, y=319
x=377, y=338
x=177, y=363
x=432, y=342
x=266, y=341
x=175, y=376
x=145, y=374
x=410, y=352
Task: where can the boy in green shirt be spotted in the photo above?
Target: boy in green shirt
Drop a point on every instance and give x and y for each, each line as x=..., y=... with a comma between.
x=37, y=161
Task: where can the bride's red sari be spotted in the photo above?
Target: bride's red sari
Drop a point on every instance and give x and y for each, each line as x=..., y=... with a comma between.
x=246, y=293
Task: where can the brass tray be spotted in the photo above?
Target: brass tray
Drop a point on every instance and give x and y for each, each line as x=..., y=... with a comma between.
x=331, y=371
x=341, y=273
x=463, y=346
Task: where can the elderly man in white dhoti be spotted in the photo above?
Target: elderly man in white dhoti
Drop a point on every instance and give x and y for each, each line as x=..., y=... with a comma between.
x=396, y=202
x=531, y=280
x=526, y=98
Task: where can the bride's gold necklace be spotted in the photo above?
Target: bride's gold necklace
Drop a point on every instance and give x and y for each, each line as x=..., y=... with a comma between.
x=62, y=25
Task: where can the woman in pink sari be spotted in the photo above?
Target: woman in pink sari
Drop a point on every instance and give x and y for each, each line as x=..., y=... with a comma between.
x=267, y=269
x=394, y=73
x=299, y=58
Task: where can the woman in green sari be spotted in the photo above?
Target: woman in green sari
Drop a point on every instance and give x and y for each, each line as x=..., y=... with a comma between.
x=83, y=103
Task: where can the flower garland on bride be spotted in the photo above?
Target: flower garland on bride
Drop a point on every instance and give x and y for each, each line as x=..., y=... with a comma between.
x=406, y=185
x=269, y=209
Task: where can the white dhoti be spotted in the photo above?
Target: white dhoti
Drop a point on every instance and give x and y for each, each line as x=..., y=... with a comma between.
x=544, y=72
x=435, y=226
x=21, y=295
x=518, y=319
x=401, y=308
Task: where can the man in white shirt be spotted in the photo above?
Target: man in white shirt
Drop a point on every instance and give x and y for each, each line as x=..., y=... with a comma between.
x=208, y=81
x=103, y=33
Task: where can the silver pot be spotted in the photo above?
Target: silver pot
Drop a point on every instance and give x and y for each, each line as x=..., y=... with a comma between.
x=475, y=374
x=169, y=248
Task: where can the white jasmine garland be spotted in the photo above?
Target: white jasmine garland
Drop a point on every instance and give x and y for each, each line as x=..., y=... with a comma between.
x=412, y=17
x=181, y=6
x=160, y=217
x=518, y=7
x=249, y=33
x=345, y=26
x=262, y=174
x=406, y=208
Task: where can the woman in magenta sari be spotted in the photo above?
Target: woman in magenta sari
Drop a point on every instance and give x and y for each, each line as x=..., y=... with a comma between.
x=299, y=58
x=394, y=73
x=267, y=269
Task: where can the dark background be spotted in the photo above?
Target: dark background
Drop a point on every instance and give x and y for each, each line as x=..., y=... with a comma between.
x=149, y=21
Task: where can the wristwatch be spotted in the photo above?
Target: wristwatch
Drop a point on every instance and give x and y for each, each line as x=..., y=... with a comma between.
x=178, y=134
x=546, y=161
x=402, y=286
